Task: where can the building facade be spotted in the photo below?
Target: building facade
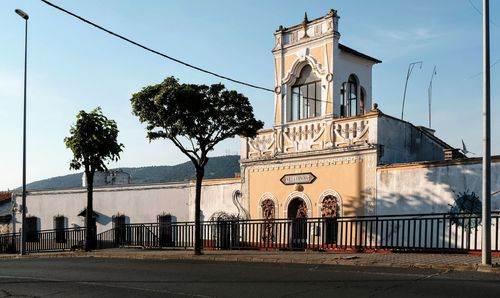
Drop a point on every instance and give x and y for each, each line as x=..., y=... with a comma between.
x=124, y=204
x=320, y=158
x=330, y=152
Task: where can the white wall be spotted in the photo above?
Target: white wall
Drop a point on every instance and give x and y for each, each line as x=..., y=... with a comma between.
x=217, y=196
x=5, y=210
x=416, y=189
x=403, y=142
x=140, y=204
x=345, y=64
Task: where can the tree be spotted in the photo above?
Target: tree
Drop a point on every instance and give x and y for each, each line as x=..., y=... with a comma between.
x=93, y=141
x=195, y=118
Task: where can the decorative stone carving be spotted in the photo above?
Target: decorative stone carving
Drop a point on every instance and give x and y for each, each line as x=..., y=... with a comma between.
x=303, y=137
x=302, y=210
x=268, y=209
x=309, y=136
x=350, y=133
x=223, y=216
x=268, y=214
x=317, y=30
x=261, y=144
x=329, y=207
x=312, y=163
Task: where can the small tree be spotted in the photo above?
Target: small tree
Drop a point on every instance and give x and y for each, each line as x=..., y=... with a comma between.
x=93, y=140
x=201, y=115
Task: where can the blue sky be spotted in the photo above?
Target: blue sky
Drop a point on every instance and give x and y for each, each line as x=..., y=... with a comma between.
x=73, y=66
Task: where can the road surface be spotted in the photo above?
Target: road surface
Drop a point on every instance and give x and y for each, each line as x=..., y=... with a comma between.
x=100, y=277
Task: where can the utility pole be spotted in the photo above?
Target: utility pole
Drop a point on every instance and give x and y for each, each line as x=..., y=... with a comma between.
x=408, y=73
x=486, y=179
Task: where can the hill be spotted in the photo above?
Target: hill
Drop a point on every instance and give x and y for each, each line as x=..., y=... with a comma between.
x=217, y=167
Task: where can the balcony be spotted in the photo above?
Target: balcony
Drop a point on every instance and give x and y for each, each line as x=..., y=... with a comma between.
x=310, y=135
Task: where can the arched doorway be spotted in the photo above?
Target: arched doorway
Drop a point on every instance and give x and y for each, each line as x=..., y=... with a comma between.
x=297, y=213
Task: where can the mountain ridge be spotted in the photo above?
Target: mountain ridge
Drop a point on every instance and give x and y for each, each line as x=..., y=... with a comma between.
x=217, y=167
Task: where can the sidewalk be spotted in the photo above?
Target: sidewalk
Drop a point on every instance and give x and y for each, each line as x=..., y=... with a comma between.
x=459, y=262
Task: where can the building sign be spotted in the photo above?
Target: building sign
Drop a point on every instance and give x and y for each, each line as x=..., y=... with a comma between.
x=304, y=178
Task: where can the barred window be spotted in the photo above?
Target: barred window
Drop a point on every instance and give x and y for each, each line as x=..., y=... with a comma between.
x=32, y=229
x=60, y=226
x=165, y=226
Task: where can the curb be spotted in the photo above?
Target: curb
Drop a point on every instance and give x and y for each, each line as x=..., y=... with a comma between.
x=330, y=261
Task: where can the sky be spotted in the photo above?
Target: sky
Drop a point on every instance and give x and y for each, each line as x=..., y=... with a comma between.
x=72, y=66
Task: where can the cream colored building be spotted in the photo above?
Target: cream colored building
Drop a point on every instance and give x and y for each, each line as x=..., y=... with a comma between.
x=321, y=155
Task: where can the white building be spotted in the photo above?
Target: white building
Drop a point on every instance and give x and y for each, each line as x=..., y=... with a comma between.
x=128, y=203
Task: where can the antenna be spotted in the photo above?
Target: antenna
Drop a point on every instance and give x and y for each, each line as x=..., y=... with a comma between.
x=410, y=69
x=429, y=93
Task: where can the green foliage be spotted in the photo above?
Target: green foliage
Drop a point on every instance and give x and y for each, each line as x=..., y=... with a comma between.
x=204, y=115
x=217, y=167
x=93, y=141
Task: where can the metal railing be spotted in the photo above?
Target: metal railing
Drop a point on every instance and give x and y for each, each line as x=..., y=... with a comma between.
x=44, y=240
x=154, y=235
x=415, y=232
x=431, y=232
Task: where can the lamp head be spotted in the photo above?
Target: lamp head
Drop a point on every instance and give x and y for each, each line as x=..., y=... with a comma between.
x=22, y=14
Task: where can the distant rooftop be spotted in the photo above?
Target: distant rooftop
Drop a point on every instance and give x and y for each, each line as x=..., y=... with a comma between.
x=5, y=196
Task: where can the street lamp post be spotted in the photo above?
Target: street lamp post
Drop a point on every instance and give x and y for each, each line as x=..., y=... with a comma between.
x=25, y=16
x=486, y=180
x=408, y=73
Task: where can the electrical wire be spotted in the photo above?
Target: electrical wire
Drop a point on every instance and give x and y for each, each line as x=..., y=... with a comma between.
x=479, y=11
x=480, y=73
x=154, y=51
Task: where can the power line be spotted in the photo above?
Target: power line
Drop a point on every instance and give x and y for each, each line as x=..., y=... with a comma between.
x=480, y=73
x=154, y=51
x=479, y=11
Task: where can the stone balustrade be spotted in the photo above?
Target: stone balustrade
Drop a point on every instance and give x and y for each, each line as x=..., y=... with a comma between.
x=309, y=135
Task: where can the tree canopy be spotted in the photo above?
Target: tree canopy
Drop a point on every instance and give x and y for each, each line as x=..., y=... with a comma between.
x=204, y=115
x=93, y=141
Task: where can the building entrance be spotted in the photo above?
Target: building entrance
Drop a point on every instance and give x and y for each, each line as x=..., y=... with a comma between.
x=297, y=213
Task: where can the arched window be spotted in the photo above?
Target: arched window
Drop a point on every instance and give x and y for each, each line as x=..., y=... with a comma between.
x=350, y=101
x=306, y=96
x=362, y=98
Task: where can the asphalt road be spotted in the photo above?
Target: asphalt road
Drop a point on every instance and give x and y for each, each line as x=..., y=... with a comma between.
x=96, y=277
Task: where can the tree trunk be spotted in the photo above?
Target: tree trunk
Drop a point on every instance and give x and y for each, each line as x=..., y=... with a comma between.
x=200, y=172
x=89, y=223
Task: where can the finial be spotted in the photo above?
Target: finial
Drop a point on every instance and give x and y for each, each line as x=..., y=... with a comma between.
x=332, y=13
x=304, y=25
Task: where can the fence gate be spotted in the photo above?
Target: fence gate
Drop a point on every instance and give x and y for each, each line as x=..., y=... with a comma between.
x=297, y=212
